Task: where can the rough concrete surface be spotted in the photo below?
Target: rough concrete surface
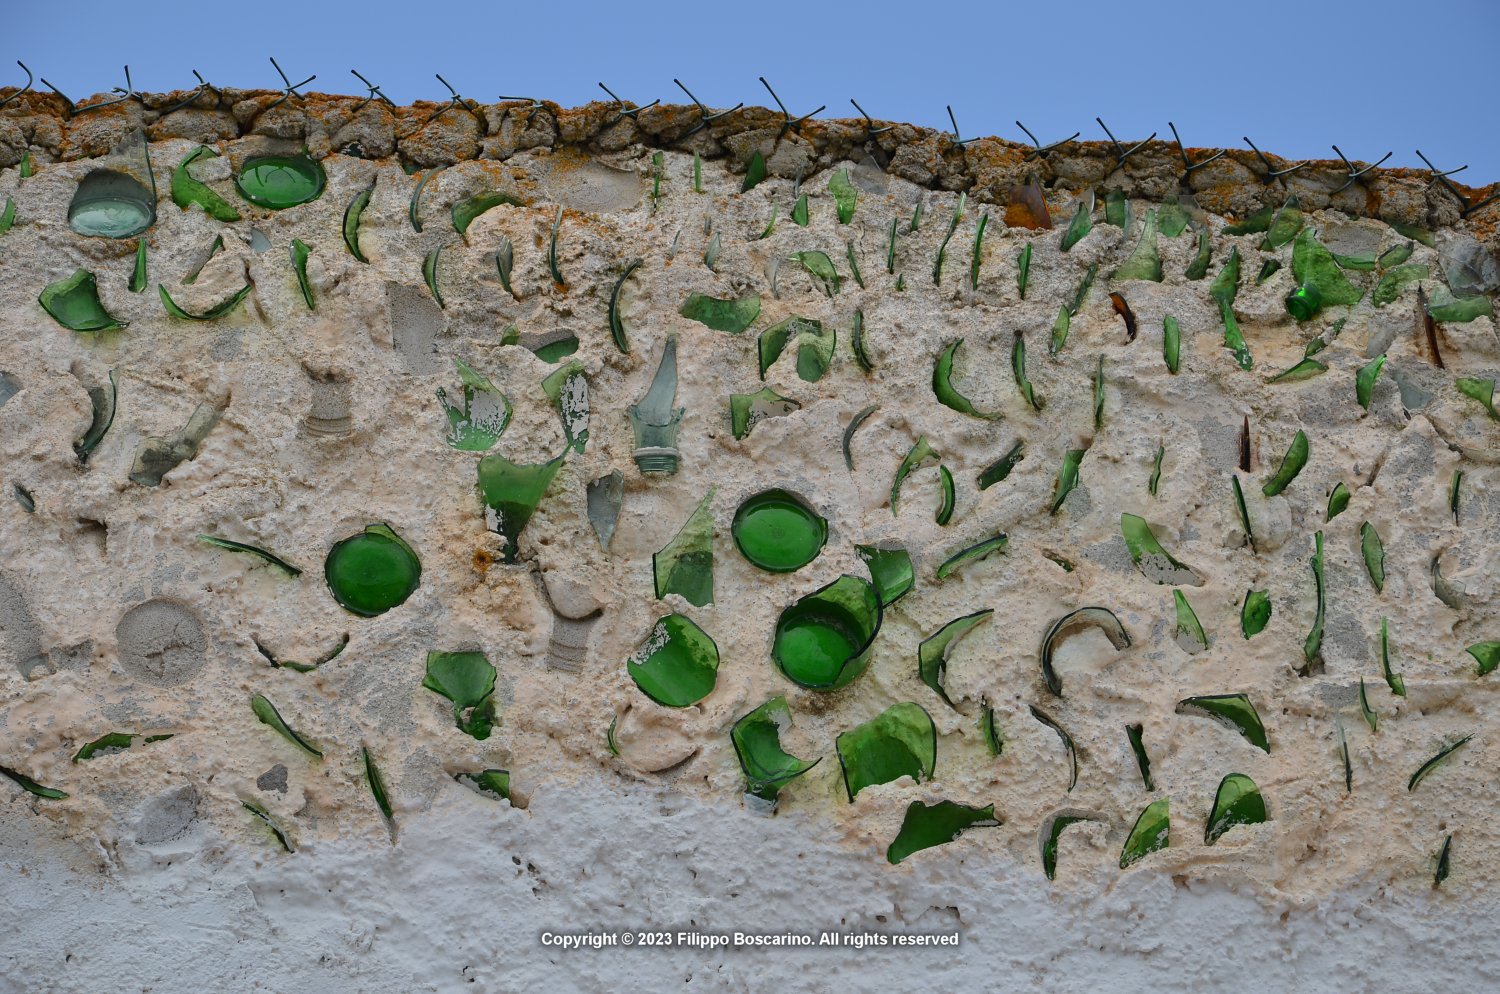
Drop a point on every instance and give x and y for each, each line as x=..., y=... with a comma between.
x=291, y=428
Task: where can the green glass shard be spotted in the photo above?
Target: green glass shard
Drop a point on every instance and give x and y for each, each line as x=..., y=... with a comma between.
x=1067, y=742
x=373, y=571
x=1154, y=483
x=891, y=572
x=755, y=172
x=1174, y=218
x=1023, y=269
x=814, y=344
x=264, y=817
x=1480, y=390
x=685, y=565
x=1237, y=802
x=505, y=261
x=1171, y=343
x=1144, y=262
x=300, y=667
x=553, y=266
x=31, y=786
x=268, y=715
x=820, y=267
x=989, y=729
x=568, y=389
x=1232, y=710
x=899, y=742
x=138, y=274
x=1154, y=562
x=466, y=211
x=926, y=826
x=854, y=426
x=467, y=680
x=1082, y=223
x=1226, y=286
x=1254, y=224
x=228, y=545
x=1393, y=280
x=1136, y=734
x=1284, y=226
x=1393, y=679
x=1242, y=511
x=1050, y=838
x=1304, y=370
x=935, y=650
x=746, y=410
x=376, y=782
x=1365, y=710
x=300, y=252
x=1344, y=752
x=1067, y=478
x=7, y=216
x=1373, y=551
x=1099, y=393
x=1018, y=368
x=280, y=181
x=1116, y=209
x=1060, y=329
x=1456, y=483
x=1291, y=465
x=556, y=349
x=1454, y=310
x=413, y=209
x=482, y=419
x=697, y=173
x=158, y=455
x=1436, y=761
x=654, y=420
x=112, y=742
x=1412, y=231
x=947, y=394
x=1101, y=618
x=657, y=169
x=937, y=265
x=616, y=322
x=430, y=274
x=74, y=304
x=777, y=532
x=845, y=196
x=1198, y=268
x=757, y=744
x=1268, y=269
x=732, y=315
x=217, y=311
x=857, y=343
x=352, y=215
x=1255, y=613
x=1440, y=873
x=1081, y=295
x=1486, y=656
x=604, y=497
x=1315, y=267
x=187, y=191
x=919, y=453
x=1312, y=646
x=973, y=554
x=678, y=663
x=824, y=640
x=984, y=220
x=711, y=253
x=1394, y=256
x=102, y=401
x=1338, y=500
x=1001, y=468
x=1189, y=635
x=1364, y=380
x=799, y=211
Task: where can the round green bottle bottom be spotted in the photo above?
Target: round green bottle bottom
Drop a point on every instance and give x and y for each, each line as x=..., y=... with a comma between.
x=278, y=181
x=777, y=532
x=110, y=217
x=370, y=573
x=813, y=645
x=1303, y=302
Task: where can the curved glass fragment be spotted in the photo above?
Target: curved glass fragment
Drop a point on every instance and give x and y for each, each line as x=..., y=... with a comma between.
x=482, y=419
x=824, y=640
x=511, y=493
x=732, y=315
x=467, y=679
x=890, y=570
x=678, y=663
x=685, y=566
x=187, y=191
x=757, y=743
x=568, y=389
x=777, y=532
x=901, y=741
x=74, y=304
x=814, y=346
x=746, y=410
x=372, y=572
x=1237, y=802
x=928, y=825
x=1100, y=617
x=1151, y=833
x=1233, y=710
x=933, y=652
x=280, y=181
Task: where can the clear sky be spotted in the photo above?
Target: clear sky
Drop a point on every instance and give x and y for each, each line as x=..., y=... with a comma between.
x=1371, y=76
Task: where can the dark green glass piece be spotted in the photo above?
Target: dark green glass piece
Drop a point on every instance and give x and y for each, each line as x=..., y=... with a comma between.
x=187, y=191
x=300, y=252
x=929, y=825
x=467, y=679
x=74, y=304
x=757, y=743
x=1237, y=802
x=947, y=394
x=352, y=215
x=890, y=570
x=732, y=315
x=1001, y=468
x=267, y=713
x=1154, y=562
x=511, y=493
x=1255, y=613
x=933, y=652
x=901, y=741
x=280, y=181
x=678, y=663
x=138, y=273
x=777, y=532
x=1145, y=261
x=372, y=572
x=217, y=311
x=1151, y=833
x=1233, y=710
x=746, y=410
x=102, y=401
x=973, y=554
x=823, y=641
x=1050, y=839
x=466, y=211
x=482, y=419
x=31, y=786
x=685, y=565
x=1101, y=618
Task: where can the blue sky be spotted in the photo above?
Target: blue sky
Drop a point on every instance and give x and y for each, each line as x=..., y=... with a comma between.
x=1297, y=77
